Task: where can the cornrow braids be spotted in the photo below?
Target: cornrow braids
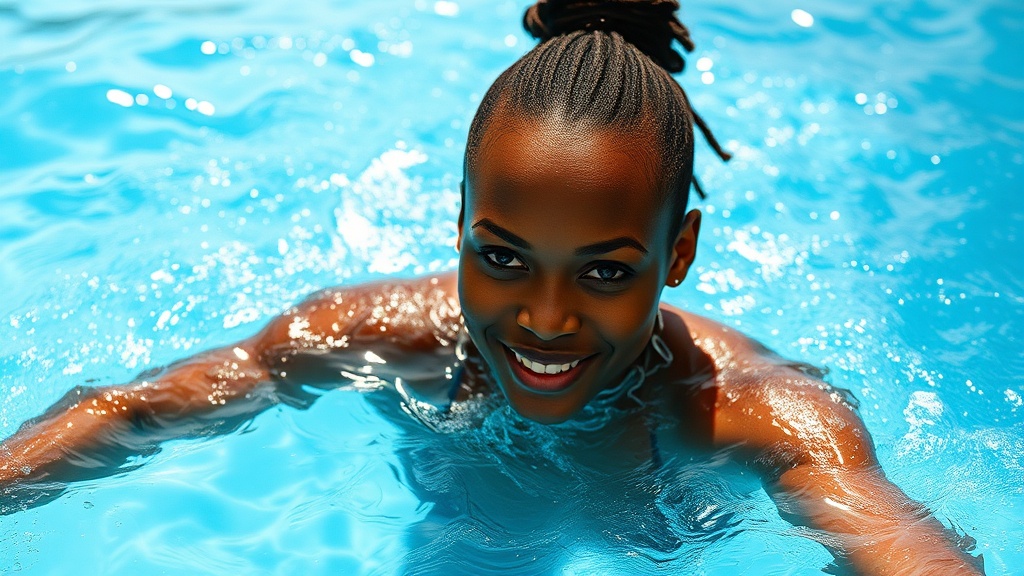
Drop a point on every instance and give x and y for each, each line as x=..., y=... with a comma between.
x=605, y=63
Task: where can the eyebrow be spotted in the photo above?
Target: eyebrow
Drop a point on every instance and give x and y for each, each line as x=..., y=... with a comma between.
x=588, y=250
x=502, y=233
x=610, y=246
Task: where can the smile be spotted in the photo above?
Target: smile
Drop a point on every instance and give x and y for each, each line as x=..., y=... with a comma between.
x=549, y=374
x=538, y=368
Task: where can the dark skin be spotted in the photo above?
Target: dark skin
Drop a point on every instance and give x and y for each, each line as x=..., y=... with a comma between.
x=565, y=246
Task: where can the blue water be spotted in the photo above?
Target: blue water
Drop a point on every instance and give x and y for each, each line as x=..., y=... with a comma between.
x=172, y=174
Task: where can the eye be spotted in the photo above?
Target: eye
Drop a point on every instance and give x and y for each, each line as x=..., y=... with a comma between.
x=607, y=273
x=503, y=258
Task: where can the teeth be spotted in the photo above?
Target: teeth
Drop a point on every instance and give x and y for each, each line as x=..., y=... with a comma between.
x=544, y=368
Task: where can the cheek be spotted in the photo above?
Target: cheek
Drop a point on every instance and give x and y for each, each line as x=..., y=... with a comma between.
x=626, y=322
x=479, y=294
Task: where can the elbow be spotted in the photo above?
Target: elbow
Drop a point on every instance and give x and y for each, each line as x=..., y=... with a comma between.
x=115, y=405
x=216, y=383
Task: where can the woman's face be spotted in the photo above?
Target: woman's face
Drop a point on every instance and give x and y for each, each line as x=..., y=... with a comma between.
x=565, y=244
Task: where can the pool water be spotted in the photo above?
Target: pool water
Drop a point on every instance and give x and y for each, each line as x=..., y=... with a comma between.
x=175, y=173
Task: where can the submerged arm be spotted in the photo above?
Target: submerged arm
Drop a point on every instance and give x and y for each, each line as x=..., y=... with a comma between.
x=822, y=471
x=91, y=431
x=871, y=523
x=94, y=429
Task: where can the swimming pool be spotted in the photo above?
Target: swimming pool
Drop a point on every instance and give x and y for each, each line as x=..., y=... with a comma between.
x=176, y=172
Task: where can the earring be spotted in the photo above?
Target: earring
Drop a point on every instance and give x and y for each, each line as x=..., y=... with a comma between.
x=676, y=281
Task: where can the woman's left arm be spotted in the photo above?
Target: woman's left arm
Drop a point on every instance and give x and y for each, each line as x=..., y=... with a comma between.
x=820, y=467
x=872, y=525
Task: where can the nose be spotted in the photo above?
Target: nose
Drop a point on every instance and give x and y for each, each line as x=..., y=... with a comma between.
x=549, y=315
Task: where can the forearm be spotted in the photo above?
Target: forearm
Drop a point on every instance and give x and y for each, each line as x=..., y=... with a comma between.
x=871, y=524
x=895, y=542
x=98, y=428
x=59, y=435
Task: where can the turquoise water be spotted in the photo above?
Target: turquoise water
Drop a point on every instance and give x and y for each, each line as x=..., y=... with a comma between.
x=175, y=173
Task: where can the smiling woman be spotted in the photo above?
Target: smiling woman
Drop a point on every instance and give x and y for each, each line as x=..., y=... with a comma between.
x=539, y=410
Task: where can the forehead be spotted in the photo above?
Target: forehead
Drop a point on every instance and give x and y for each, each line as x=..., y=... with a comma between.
x=568, y=179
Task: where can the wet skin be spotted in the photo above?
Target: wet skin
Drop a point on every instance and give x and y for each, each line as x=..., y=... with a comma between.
x=565, y=246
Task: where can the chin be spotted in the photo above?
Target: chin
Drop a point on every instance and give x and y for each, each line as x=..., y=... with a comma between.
x=543, y=409
x=544, y=400
x=538, y=406
x=542, y=415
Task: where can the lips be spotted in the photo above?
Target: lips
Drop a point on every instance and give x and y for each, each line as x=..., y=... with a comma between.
x=546, y=372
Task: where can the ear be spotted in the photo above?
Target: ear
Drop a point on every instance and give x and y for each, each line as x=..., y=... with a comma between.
x=684, y=250
x=462, y=213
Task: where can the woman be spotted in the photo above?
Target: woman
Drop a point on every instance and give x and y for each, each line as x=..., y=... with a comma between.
x=578, y=166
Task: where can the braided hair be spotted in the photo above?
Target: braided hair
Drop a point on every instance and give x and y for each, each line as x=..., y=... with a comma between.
x=604, y=63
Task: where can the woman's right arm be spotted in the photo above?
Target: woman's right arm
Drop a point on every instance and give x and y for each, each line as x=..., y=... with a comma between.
x=93, y=430
x=96, y=428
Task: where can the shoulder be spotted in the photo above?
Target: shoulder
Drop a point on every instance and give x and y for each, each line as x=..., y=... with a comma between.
x=390, y=309
x=785, y=419
x=778, y=412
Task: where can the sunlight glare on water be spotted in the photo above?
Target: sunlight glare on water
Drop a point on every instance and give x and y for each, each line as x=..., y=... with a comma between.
x=176, y=173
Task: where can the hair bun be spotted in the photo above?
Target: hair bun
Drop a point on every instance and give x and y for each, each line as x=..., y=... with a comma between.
x=650, y=25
